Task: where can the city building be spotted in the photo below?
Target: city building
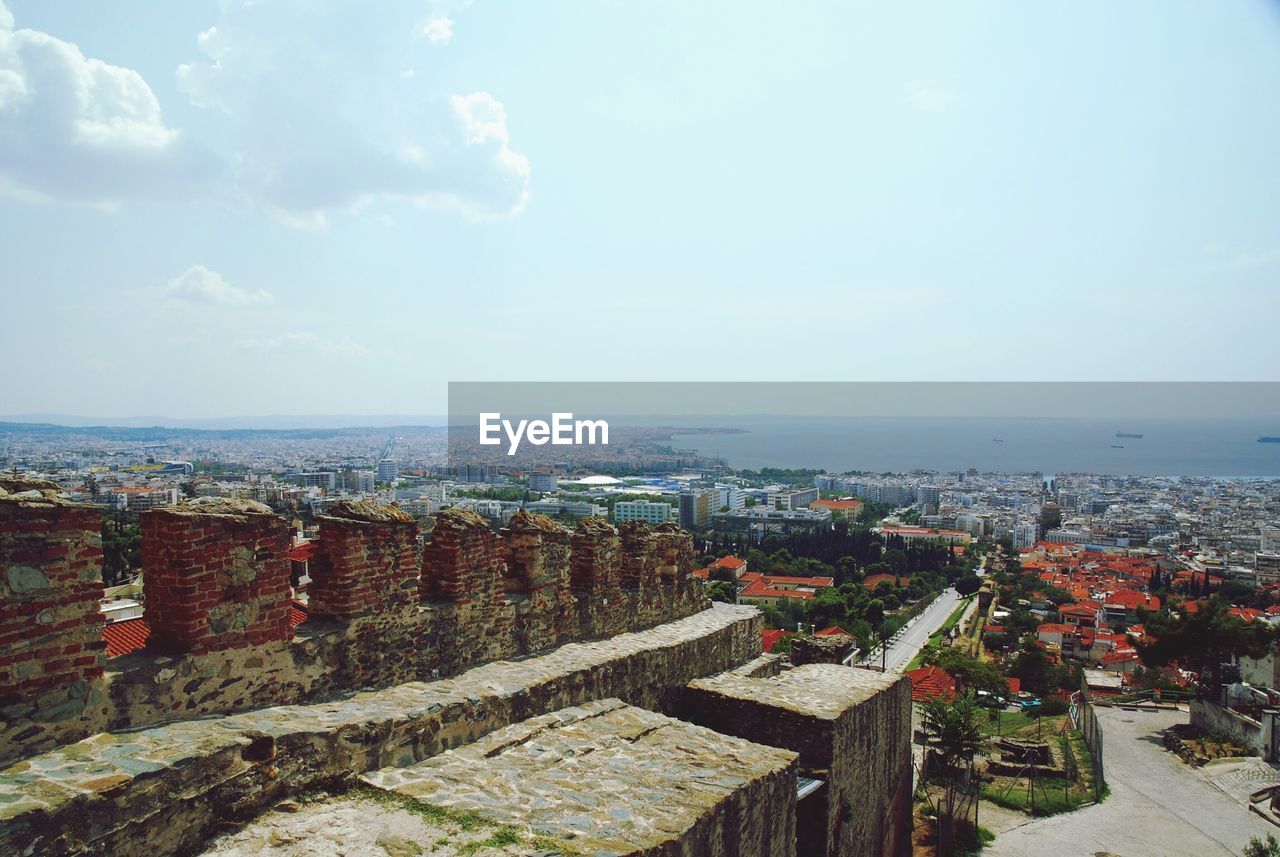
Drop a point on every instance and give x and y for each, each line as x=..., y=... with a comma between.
x=543, y=481
x=642, y=510
x=388, y=470
x=791, y=499
x=847, y=510
x=696, y=507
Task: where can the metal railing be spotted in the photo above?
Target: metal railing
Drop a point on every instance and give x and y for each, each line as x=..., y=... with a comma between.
x=1085, y=720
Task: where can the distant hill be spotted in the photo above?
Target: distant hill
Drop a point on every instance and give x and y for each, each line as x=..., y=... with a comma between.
x=145, y=434
x=268, y=422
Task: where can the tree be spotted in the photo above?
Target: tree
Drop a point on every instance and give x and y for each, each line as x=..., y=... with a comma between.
x=1270, y=847
x=975, y=674
x=953, y=731
x=968, y=585
x=723, y=590
x=1033, y=668
x=1203, y=640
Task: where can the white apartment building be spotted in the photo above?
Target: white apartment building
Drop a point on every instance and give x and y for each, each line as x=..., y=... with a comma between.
x=643, y=510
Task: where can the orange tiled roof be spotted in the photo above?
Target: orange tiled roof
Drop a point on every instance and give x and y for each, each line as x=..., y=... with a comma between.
x=929, y=682
x=770, y=638
x=302, y=552
x=761, y=589
x=132, y=634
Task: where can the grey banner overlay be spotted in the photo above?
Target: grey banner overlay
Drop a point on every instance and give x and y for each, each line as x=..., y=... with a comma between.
x=1187, y=429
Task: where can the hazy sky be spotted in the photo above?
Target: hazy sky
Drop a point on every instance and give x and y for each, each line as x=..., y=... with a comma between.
x=313, y=206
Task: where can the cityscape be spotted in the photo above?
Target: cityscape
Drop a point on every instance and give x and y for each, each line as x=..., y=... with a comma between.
x=451, y=428
x=1031, y=597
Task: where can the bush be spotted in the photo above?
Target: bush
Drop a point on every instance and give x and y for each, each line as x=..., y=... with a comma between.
x=1053, y=707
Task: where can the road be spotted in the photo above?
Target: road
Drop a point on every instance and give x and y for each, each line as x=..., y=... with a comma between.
x=913, y=637
x=1158, y=806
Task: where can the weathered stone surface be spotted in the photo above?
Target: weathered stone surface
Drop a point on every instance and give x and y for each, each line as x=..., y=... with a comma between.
x=219, y=506
x=363, y=510
x=217, y=601
x=368, y=561
x=216, y=575
x=354, y=825
x=852, y=729
x=616, y=779
x=116, y=793
x=51, y=648
x=812, y=649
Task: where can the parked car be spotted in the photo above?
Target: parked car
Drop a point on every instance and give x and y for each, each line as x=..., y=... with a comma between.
x=987, y=699
x=1028, y=704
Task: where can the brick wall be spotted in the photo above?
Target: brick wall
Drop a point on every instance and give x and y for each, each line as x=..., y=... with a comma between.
x=51, y=648
x=215, y=575
x=216, y=587
x=595, y=577
x=368, y=561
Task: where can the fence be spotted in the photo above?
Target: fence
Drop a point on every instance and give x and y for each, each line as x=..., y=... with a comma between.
x=1085, y=720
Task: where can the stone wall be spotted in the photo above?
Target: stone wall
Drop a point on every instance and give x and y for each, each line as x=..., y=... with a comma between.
x=216, y=587
x=615, y=779
x=51, y=648
x=1212, y=717
x=852, y=730
x=161, y=790
x=216, y=576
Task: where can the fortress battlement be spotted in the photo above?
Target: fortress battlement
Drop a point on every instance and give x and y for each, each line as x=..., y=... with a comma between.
x=383, y=608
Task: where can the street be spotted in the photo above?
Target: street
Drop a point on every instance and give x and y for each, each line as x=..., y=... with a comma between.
x=1158, y=806
x=913, y=637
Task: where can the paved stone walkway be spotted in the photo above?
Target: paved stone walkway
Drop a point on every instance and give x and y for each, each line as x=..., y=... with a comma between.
x=1158, y=807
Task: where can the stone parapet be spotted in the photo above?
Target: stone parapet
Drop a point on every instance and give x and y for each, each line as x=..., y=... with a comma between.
x=216, y=575
x=610, y=778
x=114, y=793
x=851, y=729
x=383, y=610
x=51, y=648
x=368, y=561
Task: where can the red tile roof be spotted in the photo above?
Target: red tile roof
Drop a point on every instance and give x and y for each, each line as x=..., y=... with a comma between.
x=730, y=562
x=770, y=638
x=131, y=634
x=929, y=682
x=833, y=631
x=761, y=589
x=127, y=636
x=302, y=552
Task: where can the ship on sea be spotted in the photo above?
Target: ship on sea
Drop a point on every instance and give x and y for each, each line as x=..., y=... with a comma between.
x=1269, y=440
x=1135, y=436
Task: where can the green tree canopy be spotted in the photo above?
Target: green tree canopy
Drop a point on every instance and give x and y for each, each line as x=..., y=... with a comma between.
x=1203, y=640
x=953, y=730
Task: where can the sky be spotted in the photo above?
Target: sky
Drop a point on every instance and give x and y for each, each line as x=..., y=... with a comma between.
x=321, y=207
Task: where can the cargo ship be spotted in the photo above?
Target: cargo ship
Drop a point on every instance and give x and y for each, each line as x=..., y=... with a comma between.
x=1269, y=440
x=1135, y=436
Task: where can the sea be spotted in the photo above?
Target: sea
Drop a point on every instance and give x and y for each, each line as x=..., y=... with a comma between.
x=1201, y=447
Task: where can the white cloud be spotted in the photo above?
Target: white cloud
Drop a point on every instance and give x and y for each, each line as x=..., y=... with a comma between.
x=330, y=107
x=1260, y=259
x=933, y=99
x=198, y=284
x=308, y=342
x=438, y=31
x=82, y=130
